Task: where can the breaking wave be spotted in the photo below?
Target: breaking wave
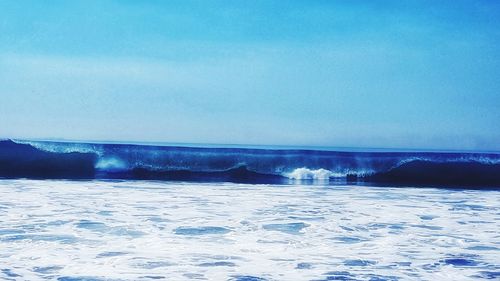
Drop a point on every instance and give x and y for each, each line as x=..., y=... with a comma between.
x=35, y=159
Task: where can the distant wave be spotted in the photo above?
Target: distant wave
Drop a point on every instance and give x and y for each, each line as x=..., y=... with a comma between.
x=28, y=159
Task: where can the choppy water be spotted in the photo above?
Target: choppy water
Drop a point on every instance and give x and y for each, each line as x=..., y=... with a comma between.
x=132, y=230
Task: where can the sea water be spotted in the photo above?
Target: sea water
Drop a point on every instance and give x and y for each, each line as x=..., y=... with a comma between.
x=147, y=230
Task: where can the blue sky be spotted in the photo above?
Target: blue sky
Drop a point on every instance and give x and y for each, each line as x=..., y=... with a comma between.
x=394, y=74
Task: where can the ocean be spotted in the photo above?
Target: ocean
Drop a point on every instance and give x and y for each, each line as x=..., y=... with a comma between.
x=86, y=211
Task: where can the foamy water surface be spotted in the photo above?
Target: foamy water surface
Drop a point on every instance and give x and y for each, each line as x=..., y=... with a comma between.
x=139, y=230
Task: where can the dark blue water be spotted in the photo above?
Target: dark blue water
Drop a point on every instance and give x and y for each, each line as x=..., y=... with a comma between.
x=54, y=160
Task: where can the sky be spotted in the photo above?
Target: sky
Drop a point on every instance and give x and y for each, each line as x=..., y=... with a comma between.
x=382, y=74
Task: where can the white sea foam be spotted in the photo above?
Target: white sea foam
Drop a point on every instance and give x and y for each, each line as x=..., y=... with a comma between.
x=308, y=174
x=139, y=230
x=57, y=147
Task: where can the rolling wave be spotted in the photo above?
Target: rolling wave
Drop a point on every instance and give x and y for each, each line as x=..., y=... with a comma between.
x=21, y=160
x=29, y=159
